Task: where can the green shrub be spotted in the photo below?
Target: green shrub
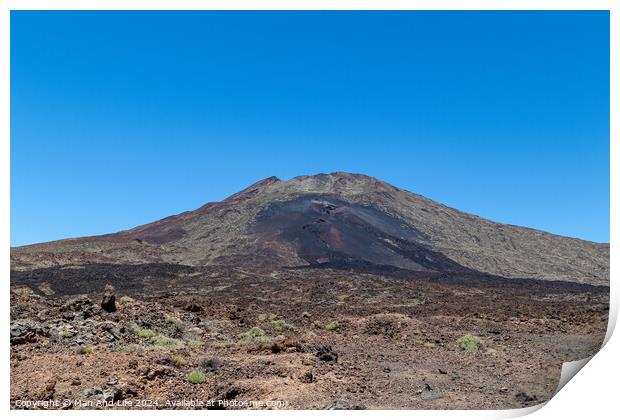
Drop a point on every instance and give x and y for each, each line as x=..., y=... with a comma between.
x=253, y=332
x=470, y=343
x=195, y=343
x=146, y=333
x=165, y=343
x=67, y=334
x=281, y=325
x=179, y=361
x=331, y=326
x=125, y=299
x=223, y=344
x=262, y=317
x=196, y=377
x=85, y=350
x=254, y=335
x=131, y=348
x=171, y=320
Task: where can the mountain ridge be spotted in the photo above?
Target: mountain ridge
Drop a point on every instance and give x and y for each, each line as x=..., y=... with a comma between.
x=262, y=225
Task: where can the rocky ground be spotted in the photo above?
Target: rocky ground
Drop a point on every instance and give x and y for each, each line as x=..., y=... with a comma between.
x=311, y=338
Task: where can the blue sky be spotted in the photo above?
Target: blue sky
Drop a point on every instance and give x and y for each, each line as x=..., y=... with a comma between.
x=122, y=118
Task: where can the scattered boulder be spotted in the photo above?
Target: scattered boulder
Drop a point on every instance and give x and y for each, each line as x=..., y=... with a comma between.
x=130, y=390
x=154, y=372
x=387, y=325
x=76, y=304
x=49, y=390
x=307, y=377
x=92, y=392
x=108, y=302
x=111, y=394
x=524, y=397
x=325, y=353
x=192, y=307
x=26, y=331
x=210, y=364
x=111, y=330
x=229, y=392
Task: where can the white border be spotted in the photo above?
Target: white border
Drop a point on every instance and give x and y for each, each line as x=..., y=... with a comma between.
x=574, y=401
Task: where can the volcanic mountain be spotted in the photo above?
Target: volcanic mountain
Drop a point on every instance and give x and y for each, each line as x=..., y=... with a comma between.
x=337, y=220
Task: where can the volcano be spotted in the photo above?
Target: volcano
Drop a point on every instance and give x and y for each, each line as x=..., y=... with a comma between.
x=335, y=291
x=338, y=220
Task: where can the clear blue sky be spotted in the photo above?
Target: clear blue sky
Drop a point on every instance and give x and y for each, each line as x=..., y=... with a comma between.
x=119, y=119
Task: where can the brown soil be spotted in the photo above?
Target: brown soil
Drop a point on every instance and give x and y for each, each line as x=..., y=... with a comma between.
x=332, y=339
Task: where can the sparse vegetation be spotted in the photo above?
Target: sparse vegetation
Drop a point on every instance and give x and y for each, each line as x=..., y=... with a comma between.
x=67, y=334
x=195, y=343
x=170, y=320
x=278, y=324
x=179, y=361
x=262, y=317
x=332, y=326
x=308, y=335
x=196, y=377
x=254, y=335
x=223, y=344
x=429, y=345
x=131, y=348
x=281, y=325
x=146, y=333
x=125, y=299
x=161, y=342
x=470, y=343
x=490, y=352
x=85, y=350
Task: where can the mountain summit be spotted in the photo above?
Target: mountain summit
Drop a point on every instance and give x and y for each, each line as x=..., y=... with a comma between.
x=336, y=220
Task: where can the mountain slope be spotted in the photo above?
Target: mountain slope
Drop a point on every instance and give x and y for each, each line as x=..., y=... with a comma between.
x=337, y=219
